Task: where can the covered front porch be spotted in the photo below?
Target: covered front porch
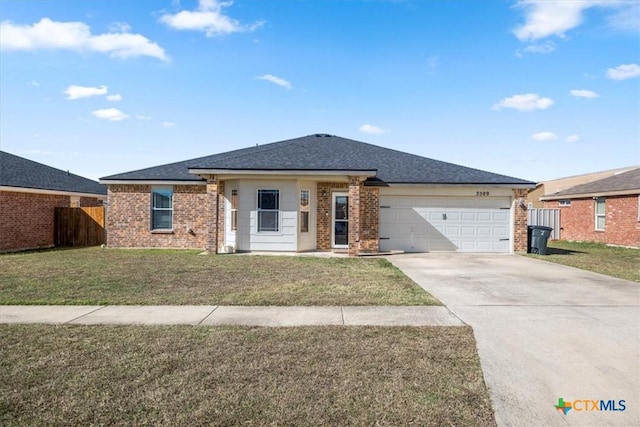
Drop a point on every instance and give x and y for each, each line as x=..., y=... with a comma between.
x=285, y=213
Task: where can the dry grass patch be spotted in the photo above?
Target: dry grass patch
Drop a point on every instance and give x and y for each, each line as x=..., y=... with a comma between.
x=158, y=277
x=126, y=375
x=623, y=263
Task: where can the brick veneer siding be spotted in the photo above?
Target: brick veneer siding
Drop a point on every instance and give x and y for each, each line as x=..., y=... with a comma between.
x=519, y=221
x=90, y=202
x=369, y=219
x=27, y=220
x=621, y=220
x=354, y=215
x=368, y=216
x=129, y=218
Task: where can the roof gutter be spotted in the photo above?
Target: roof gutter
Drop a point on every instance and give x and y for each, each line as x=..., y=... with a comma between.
x=299, y=172
x=51, y=192
x=150, y=182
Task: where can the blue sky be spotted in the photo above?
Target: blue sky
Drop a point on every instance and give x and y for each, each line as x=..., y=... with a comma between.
x=531, y=89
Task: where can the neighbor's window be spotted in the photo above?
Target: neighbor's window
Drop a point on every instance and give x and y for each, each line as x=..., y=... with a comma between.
x=600, y=213
x=234, y=210
x=268, y=210
x=564, y=203
x=162, y=209
x=304, y=211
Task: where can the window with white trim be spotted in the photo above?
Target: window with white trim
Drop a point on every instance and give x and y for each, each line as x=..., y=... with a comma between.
x=234, y=210
x=304, y=211
x=268, y=210
x=162, y=208
x=600, y=213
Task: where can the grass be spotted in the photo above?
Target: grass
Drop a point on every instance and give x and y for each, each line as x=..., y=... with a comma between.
x=158, y=277
x=623, y=263
x=179, y=375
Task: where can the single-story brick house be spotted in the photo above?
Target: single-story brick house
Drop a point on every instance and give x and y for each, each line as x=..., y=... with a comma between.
x=605, y=211
x=29, y=194
x=318, y=192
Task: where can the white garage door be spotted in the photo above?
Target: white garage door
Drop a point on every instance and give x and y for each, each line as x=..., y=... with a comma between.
x=426, y=224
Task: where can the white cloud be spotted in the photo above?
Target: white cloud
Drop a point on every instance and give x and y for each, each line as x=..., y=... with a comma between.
x=168, y=125
x=208, y=18
x=583, y=93
x=111, y=114
x=34, y=83
x=76, y=36
x=143, y=117
x=623, y=72
x=545, y=18
x=544, y=136
x=542, y=48
x=372, y=129
x=572, y=138
x=77, y=92
x=276, y=80
x=525, y=102
x=115, y=97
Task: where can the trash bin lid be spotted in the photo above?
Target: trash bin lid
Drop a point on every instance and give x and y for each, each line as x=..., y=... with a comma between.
x=540, y=227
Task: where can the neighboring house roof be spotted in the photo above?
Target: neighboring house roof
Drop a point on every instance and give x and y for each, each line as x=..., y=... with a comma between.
x=554, y=186
x=19, y=172
x=321, y=152
x=620, y=184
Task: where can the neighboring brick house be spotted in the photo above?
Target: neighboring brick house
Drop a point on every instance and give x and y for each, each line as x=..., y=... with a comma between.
x=29, y=194
x=318, y=192
x=605, y=211
x=551, y=187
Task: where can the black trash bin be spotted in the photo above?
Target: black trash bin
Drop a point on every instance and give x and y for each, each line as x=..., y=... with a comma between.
x=538, y=235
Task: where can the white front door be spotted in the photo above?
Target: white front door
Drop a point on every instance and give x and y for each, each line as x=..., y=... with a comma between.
x=340, y=220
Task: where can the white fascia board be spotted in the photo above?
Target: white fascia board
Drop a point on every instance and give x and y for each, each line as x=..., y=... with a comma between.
x=150, y=182
x=590, y=195
x=51, y=192
x=437, y=185
x=296, y=172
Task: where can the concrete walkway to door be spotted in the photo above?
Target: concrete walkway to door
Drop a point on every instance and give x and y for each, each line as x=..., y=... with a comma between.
x=544, y=332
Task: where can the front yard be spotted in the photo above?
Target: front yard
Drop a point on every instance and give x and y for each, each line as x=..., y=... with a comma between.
x=160, y=277
x=623, y=263
x=181, y=375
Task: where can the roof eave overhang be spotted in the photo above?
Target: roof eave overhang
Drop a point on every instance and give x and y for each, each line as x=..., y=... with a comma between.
x=151, y=181
x=365, y=173
x=591, y=194
x=458, y=184
x=51, y=192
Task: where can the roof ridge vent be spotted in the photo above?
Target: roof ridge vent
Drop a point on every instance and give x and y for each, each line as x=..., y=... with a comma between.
x=322, y=135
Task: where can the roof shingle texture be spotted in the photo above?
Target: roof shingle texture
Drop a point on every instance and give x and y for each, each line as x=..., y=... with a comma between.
x=627, y=181
x=19, y=172
x=321, y=152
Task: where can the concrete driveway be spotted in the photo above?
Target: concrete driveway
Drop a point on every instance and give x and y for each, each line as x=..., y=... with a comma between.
x=544, y=332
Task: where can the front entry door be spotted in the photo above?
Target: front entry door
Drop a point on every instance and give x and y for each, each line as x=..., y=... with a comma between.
x=340, y=220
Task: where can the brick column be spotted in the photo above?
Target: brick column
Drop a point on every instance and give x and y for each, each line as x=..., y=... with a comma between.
x=354, y=215
x=369, y=219
x=220, y=216
x=212, y=212
x=519, y=220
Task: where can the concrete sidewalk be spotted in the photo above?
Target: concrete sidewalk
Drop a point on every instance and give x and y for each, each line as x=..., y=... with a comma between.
x=229, y=315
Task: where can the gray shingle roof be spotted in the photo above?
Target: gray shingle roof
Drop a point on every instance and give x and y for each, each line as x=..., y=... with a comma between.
x=23, y=173
x=627, y=181
x=321, y=152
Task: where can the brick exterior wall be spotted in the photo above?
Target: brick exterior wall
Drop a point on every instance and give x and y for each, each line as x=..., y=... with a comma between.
x=27, y=220
x=367, y=240
x=621, y=221
x=90, y=202
x=324, y=215
x=519, y=221
x=354, y=215
x=369, y=219
x=129, y=218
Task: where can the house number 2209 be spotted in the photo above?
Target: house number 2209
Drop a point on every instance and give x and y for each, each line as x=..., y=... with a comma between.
x=482, y=193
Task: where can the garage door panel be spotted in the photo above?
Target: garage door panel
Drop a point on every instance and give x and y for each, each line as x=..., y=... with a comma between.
x=421, y=224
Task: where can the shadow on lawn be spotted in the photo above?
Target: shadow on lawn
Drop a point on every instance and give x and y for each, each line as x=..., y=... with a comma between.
x=558, y=251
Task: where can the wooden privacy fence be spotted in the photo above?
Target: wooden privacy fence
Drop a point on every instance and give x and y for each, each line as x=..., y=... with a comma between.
x=546, y=217
x=79, y=226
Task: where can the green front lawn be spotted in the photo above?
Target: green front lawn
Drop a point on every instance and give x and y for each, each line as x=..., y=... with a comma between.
x=181, y=375
x=623, y=263
x=159, y=277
